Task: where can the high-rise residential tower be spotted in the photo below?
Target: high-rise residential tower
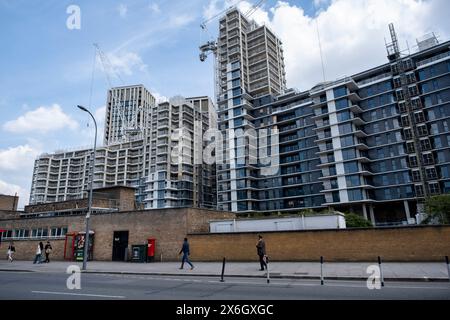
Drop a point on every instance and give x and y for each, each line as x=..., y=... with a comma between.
x=250, y=65
x=151, y=147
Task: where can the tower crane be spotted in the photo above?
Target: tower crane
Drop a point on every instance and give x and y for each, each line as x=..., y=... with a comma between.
x=129, y=124
x=211, y=45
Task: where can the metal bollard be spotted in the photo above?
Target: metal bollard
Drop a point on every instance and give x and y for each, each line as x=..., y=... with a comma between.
x=321, y=270
x=267, y=267
x=381, y=271
x=223, y=270
x=448, y=267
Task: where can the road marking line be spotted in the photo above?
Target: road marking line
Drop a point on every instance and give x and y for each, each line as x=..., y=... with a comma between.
x=79, y=294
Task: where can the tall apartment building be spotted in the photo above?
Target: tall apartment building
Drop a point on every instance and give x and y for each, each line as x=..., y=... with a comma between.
x=250, y=65
x=127, y=114
x=141, y=145
x=375, y=143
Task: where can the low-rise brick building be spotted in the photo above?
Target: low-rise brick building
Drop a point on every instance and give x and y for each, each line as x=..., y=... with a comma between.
x=115, y=222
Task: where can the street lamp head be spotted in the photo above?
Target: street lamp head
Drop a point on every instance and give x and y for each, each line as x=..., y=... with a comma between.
x=82, y=108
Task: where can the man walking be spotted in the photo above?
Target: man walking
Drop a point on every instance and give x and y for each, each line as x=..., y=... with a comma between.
x=48, y=250
x=185, y=251
x=261, y=250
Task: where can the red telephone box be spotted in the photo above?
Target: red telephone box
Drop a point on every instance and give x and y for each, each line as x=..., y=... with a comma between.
x=151, y=245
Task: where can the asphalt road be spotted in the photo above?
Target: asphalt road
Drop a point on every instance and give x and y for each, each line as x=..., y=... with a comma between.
x=49, y=286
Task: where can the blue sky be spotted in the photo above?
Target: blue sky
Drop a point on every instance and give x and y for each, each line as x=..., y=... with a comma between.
x=46, y=68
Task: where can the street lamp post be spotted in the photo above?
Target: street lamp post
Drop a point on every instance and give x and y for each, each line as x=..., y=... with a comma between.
x=91, y=181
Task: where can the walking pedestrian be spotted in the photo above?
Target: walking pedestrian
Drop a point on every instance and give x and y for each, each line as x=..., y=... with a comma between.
x=261, y=250
x=186, y=252
x=48, y=250
x=11, y=251
x=39, y=249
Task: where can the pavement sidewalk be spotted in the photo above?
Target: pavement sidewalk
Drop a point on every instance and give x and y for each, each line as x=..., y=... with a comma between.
x=419, y=271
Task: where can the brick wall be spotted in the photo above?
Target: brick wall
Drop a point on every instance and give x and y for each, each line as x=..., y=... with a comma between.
x=392, y=244
x=168, y=226
x=26, y=249
x=8, y=203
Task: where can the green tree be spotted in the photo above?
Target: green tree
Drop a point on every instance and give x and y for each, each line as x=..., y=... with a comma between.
x=438, y=208
x=355, y=221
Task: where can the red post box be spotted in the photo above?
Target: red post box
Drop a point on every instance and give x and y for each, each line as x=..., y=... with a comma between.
x=151, y=245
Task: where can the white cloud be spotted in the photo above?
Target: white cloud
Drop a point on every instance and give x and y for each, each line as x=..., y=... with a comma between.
x=158, y=97
x=126, y=63
x=43, y=119
x=17, y=158
x=352, y=33
x=154, y=7
x=122, y=9
x=16, y=169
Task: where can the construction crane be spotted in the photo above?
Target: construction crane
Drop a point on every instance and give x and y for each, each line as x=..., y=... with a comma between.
x=129, y=124
x=211, y=46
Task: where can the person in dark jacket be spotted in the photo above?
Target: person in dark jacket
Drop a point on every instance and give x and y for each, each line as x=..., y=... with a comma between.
x=48, y=250
x=185, y=251
x=261, y=250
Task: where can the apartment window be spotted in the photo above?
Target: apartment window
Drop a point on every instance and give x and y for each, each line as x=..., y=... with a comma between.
x=399, y=95
x=422, y=130
x=413, y=161
x=236, y=83
x=416, y=176
x=237, y=112
x=419, y=190
x=349, y=154
x=340, y=92
x=428, y=159
x=431, y=173
x=397, y=82
x=405, y=121
x=236, y=101
x=345, y=128
x=434, y=188
x=351, y=167
x=341, y=104
x=343, y=116
x=355, y=195
x=353, y=181
x=419, y=117
x=347, y=141
x=402, y=107
x=236, y=92
x=408, y=134
x=413, y=91
x=410, y=147
x=425, y=144
x=336, y=197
